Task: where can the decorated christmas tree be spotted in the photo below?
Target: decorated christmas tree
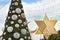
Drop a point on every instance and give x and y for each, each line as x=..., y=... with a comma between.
x=16, y=24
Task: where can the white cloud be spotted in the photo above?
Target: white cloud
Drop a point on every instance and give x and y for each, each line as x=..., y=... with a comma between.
x=57, y=26
x=39, y=8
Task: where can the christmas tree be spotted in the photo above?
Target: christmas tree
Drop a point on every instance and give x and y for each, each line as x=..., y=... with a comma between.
x=16, y=24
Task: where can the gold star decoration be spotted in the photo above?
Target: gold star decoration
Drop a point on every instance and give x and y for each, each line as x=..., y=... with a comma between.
x=46, y=27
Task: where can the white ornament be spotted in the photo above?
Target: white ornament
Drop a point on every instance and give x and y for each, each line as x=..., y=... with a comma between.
x=14, y=17
x=12, y=3
x=11, y=7
x=12, y=22
x=9, y=11
x=4, y=33
x=21, y=38
x=17, y=25
x=25, y=23
x=23, y=31
x=3, y=39
x=25, y=37
x=23, y=15
x=16, y=35
x=10, y=29
x=9, y=17
x=19, y=21
x=22, y=25
x=28, y=37
x=13, y=11
x=1, y=32
x=6, y=26
x=9, y=39
x=19, y=15
x=16, y=3
x=18, y=10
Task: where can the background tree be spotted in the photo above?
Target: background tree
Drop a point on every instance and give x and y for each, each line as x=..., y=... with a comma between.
x=59, y=31
x=54, y=37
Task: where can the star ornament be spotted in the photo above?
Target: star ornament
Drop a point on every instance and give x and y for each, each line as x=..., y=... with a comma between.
x=46, y=24
x=46, y=27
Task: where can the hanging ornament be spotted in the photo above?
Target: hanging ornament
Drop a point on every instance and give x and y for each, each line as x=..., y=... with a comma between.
x=6, y=26
x=10, y=29
x=14, y=17
x=16, y=3
x=4, y=33
x=18, y=10
x=3, y=39
x=22, y=25
x=16, y=35
x=9, y=39
x=13, y=11
x=16, y=25
x=29, y=38
x=9, y=17
x=25, y=37
x=23, y=31
x=12, y=22
x=12, y=3
x=25, y=23
x=9, y=11
x=10, y=7
x=23, y=16
x=21, y=38
x=19, y=15
x=19, y=21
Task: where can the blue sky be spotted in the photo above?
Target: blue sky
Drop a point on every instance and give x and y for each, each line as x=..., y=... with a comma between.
x=30, y=1
x=3, y=2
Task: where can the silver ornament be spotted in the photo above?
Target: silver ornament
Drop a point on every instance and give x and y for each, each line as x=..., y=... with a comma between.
x=6, y=26
x=13, y=11
x=16, y=35
x=23, y=31
x=16, y=25
x=29, y=38
x=23, y=15
x=3, y=39
x=12, y=22
x=4, y=33
x=14, y=17
x=19, y=21
x=9, y=17
x=9, y=39
x=10, y=29
x=19, y=15
x=16, y=3
x=12, y=3
x=21, y=38
x=25, y=23
x=25, y=37
x=18, y=10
